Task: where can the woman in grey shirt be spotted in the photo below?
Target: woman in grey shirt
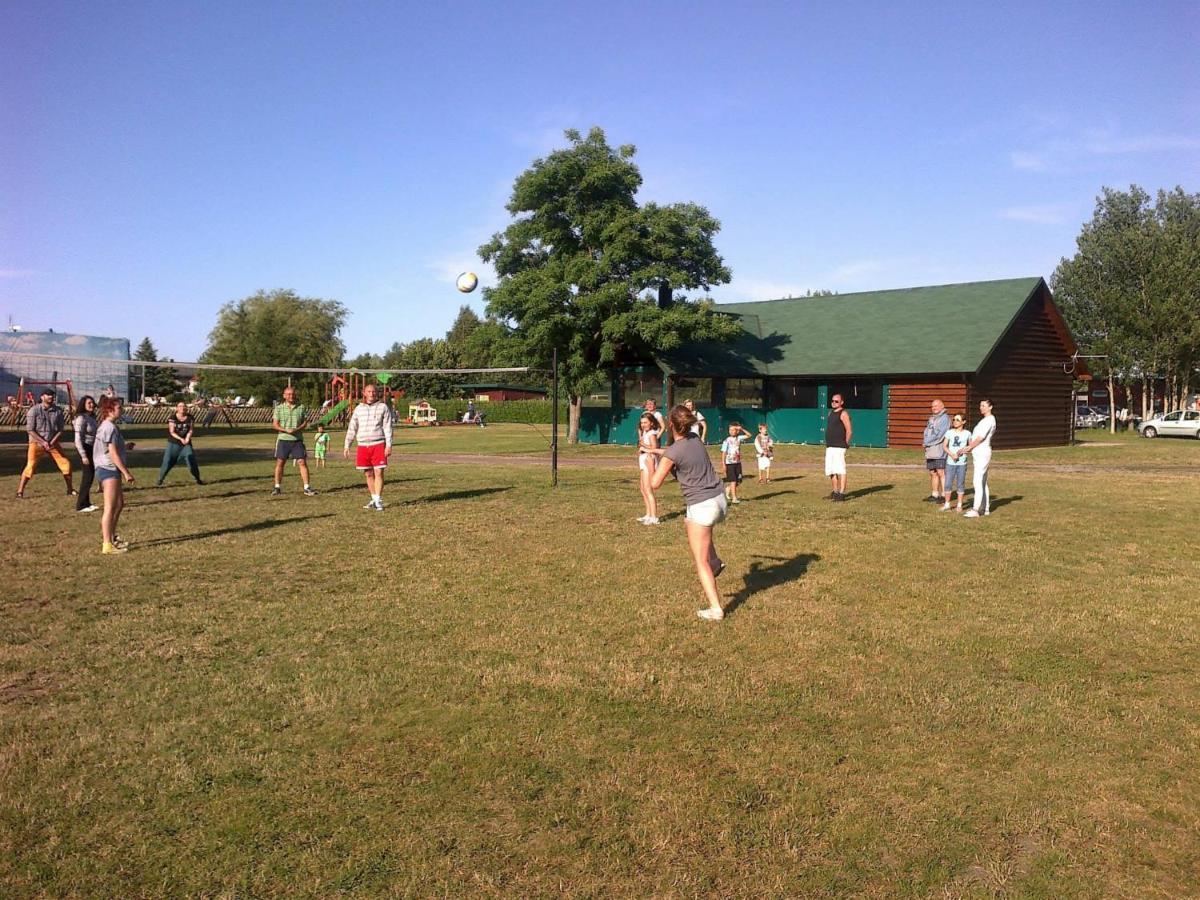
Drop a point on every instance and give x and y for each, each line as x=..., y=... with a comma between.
x=85, y=437
x=705, y=498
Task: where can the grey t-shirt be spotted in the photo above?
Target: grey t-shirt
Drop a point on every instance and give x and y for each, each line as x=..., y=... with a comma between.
x=107, y=433
x=697, y=477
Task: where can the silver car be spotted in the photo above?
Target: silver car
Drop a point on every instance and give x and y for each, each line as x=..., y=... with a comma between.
x=1181, y=423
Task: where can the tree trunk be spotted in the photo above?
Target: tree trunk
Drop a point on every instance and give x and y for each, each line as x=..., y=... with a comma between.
x=1112, y=405
x=573, y=418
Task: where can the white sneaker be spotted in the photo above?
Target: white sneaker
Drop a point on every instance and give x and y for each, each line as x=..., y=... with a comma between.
x=370, y=504
x=378, y=506
x=987, y=512
x=86, y=509
x=971, y=514
x=946, y=508
x=642, y=520
x=651, y=520
x=711, y=615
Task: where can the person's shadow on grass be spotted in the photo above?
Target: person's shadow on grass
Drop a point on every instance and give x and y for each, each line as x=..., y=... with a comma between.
x=762, y=575
x=1004, y=501
x=236, y=529
x=873, y=489
x=767, y=496
x=458, y=495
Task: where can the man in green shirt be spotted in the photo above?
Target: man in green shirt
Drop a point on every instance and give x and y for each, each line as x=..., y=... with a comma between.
x=288, y=422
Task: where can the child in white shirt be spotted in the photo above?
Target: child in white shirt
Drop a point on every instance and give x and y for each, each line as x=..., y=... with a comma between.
x=764, y=449
x=731, y=459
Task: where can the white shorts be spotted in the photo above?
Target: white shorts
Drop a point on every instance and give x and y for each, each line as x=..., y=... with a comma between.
x=708, y=512
x=646, y=463
x=764, y=463
x=835, y=460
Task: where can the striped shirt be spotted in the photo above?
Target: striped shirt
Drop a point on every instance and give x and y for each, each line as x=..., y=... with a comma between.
x=289, y=417
x=371, y=423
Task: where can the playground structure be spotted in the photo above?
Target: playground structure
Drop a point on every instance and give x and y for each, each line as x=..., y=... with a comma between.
x=421, y=413
x=17, y=405
x=344, y=391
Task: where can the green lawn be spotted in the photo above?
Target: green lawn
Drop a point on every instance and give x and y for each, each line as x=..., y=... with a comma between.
x=495, y=689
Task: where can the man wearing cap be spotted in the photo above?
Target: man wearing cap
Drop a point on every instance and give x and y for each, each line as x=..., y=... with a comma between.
x=45, y=423
x=935, y=454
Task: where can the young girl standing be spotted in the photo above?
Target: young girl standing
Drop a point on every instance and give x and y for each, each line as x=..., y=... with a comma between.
x=955, y=444
x=705, y=500
x=85, y=440
x=764, y=449
x=648, y=433
x=108, y=456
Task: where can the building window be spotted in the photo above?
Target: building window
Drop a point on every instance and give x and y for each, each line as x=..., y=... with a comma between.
x=792, y=393
x=744, y=392
x=866, y=393
x=699, y=390
x=638, y=387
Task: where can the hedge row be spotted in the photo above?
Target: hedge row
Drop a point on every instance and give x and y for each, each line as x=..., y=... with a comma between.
x=525, y=412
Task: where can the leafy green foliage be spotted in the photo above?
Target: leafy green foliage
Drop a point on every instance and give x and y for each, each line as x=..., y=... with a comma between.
x=1132, y=290
x=158, y=381
x=274, y=328
x=587, y=271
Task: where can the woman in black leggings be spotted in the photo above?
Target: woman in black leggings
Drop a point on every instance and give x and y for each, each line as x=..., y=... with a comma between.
x=85, y=437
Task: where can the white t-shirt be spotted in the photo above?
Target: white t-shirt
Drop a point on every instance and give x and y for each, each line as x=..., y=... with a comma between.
x=763, y=445
x=982, y=432
x=695, y=429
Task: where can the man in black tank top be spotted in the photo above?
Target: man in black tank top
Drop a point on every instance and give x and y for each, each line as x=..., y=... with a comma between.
x=838, y=432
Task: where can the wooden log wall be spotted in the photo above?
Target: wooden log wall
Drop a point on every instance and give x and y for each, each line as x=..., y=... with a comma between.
x=1025, y=380
x=908, y=407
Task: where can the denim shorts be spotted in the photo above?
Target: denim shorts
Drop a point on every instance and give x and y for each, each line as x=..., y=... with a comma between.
x=104, y=473
x=956, y=478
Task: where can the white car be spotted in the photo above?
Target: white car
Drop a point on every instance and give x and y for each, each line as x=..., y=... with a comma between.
x=1181, y=423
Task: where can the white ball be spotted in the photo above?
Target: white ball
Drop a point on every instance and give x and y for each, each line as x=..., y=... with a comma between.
x=467, y=282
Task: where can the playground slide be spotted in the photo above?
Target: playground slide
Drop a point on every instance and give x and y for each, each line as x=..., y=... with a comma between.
x=334, y=412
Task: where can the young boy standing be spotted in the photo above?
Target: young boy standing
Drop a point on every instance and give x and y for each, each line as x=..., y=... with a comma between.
x=321, y=446
x=731, y=459
x=764, y=449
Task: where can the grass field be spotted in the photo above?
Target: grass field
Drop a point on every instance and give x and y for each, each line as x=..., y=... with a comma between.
x=495, y=689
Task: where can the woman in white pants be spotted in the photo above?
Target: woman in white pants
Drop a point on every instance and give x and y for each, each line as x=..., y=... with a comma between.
x=980, y=446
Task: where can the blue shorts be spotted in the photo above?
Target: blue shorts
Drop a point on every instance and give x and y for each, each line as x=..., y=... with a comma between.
x=290, y=450
x=936, y=465
x=104, y=473
x=956, y=475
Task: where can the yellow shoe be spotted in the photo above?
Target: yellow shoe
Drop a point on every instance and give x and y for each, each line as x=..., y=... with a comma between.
x=108, y=548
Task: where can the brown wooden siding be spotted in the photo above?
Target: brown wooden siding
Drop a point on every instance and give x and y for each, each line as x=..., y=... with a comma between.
x=908, y=408
x=1024, y=379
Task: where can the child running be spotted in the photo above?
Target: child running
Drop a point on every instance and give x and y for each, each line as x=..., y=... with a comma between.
x=955, y=444
x=705, y=502
x=321, y=446
x=648, y=432
x=764, y=449
x=731, y=459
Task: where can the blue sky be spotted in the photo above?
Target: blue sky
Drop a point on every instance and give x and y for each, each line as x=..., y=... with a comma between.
x=160, y=159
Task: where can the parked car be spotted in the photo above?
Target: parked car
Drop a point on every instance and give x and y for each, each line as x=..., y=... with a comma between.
x=1180, y=423
x=1089, y=417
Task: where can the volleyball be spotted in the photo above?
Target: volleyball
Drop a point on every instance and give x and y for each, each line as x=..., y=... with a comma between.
x=467, y=282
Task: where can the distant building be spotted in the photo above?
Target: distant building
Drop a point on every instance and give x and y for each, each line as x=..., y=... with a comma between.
x=888, y=353
x=498, y=392
x=55, y=357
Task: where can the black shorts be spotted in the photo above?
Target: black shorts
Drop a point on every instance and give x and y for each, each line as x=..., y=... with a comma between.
x=290, y=450
x=733, y=473
x=934, y=465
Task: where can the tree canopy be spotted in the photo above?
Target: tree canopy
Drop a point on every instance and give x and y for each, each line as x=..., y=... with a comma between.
x=274, y=328
x=1131, y=292
x=158, y=380
x=587, y=270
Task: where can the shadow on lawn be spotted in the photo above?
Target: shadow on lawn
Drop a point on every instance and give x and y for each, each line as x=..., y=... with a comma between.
x=1004, y=501
x=767, y=496
x=762, y=576
x=138, y=501
x=873, y=489
x=236, y=529
x=459, y=495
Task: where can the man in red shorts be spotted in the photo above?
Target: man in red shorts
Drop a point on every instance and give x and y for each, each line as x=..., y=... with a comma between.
x=371, y=424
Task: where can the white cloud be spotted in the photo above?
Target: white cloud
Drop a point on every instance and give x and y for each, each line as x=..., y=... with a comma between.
x=1039, y=214
x=1092, y=148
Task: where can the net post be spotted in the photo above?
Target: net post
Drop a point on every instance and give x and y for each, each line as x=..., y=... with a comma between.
x=554, y=419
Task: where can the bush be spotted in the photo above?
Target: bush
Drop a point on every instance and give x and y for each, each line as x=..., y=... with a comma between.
x=525, y=412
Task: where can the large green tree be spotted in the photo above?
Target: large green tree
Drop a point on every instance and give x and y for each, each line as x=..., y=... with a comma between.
x=587, y=270
x=1131, y=292
x=274, y=328
x=152, y=380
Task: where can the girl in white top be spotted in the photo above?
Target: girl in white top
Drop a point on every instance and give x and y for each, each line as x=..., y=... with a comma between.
x=648, y=432
x=981, y=455
x=764, y=449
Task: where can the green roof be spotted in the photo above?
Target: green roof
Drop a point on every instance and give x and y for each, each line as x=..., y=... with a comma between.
x=943, y=329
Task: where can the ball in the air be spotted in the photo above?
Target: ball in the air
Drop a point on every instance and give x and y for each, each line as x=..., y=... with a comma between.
x=467, y=282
